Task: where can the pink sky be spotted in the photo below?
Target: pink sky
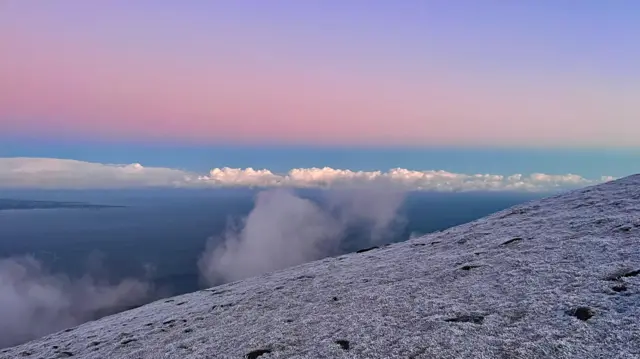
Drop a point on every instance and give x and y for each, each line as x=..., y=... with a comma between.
x=121, y=81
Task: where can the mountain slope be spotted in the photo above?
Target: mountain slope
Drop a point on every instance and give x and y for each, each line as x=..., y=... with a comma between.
x=555, y=278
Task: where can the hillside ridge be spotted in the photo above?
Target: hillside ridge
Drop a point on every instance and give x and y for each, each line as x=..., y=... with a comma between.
x=552, y=278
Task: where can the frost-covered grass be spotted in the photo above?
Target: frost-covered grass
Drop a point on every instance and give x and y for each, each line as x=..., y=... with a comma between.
x=555, y=278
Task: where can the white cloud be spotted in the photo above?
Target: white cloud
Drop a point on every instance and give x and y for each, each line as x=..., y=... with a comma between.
x=284, y=230
x=35, y=302
x=62, y=173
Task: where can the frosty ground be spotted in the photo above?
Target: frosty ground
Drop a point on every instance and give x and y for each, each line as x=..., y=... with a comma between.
x=554, y=278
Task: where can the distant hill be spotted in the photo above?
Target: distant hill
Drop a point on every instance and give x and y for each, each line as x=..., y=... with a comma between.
x=8, y=203
x=552, y=278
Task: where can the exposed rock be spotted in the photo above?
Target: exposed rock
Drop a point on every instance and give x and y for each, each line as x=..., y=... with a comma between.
x=619, y=288
x=469, y=267
x=582, y=313
x=344, y=344
x=512, y=240
x=256, y=353
x=367, y=249
x=471, y=318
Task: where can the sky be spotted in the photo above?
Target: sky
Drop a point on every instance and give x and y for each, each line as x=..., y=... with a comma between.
x=463, y=86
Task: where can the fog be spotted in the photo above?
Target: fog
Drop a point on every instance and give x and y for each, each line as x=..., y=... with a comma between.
x=285, y=229
x=35, y=302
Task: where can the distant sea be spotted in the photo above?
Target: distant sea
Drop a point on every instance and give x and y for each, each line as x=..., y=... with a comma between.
x=168, y=229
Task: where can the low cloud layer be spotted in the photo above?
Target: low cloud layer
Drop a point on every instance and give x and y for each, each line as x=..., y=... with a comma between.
x=284, y=229
x=60, y=173
x=35, y=302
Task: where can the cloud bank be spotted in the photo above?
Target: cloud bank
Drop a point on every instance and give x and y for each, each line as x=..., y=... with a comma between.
x=35, y=302
x=63, y=173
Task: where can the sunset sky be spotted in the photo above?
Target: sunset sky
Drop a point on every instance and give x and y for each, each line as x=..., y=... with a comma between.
x=498, y=74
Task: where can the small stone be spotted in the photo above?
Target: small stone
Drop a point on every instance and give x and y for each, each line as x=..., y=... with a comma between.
x=619, y=288
x=344, y=344
x=471, y=318
x=469, y=267
x=582, y=313
x=127, y=341
x=511, y=241
x=366, y=249
x=256, y=353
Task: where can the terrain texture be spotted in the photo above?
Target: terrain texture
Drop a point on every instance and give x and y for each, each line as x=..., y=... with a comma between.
x=554, y=278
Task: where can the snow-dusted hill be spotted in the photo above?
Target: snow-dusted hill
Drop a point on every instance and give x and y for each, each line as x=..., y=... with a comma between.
x=555, y=278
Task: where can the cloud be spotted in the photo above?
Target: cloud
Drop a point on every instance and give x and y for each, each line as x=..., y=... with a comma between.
x=284, y=230
x=62, y=173
x=35, y=302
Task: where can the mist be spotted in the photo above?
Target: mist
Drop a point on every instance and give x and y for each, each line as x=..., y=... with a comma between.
x=285, y=229
x=35, y=302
